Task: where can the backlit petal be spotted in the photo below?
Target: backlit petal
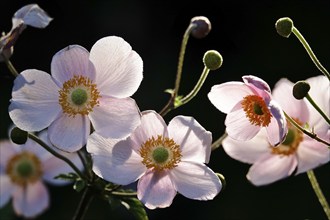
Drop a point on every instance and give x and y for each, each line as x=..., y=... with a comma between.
x=277, y=128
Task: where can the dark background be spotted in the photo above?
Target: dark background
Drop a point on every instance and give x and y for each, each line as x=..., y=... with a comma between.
x=243, y=32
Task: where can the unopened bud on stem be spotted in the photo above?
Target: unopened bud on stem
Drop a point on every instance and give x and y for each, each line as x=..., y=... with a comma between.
x=203, y=26
x=300, y=89
x=18, y=136
x=212, y=59
x=284, y=26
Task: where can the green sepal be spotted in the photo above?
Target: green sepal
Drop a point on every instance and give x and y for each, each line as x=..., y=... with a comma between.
x=79, y=185
x=67, y=176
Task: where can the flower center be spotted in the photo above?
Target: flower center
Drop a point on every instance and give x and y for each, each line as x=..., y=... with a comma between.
x=256, y=110
x=161, y=153
x=291, y=142
x=24, y=168
x=78, y=96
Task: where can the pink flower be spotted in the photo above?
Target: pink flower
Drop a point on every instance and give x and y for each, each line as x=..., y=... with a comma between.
x=249, y=107
x=298, y=152
x=23, y=170
x=165, y=159
x=84, y=87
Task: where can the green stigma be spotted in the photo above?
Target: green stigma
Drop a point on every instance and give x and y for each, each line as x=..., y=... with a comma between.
x=25, y=169
x=160, y=155
x=79, y=96
x=257, y=109
x=290, y=137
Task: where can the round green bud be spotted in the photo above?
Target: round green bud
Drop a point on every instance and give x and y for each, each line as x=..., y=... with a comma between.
x=202, y=28
x=212, y=59
x=18, y=136
x=300, y=89
x=284, y=26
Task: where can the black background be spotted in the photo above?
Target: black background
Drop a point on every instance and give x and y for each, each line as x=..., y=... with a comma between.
x=243, y=32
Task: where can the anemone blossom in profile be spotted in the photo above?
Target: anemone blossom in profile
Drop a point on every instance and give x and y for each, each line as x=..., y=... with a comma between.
x=165, y=160
x=84, y=87
x=298, y=153
x=249, y=107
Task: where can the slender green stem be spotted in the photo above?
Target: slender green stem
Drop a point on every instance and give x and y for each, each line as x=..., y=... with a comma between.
x=309, y=98
x=318, y=192
x=216, y=144
x=50, y=150
x=10, y=66
x=310, y=52
x=118, y=193
x=312, y=135
x=84, y=203
x=196, y=89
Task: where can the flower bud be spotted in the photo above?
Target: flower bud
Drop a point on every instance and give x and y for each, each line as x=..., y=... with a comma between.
x=300, y=89
x=212, y=59
x=18, y=136
x=284, y=26
x=203, y=26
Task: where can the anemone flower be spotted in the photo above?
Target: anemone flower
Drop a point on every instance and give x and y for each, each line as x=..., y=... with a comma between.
x=249, y=107
x=298, y=153
x=23, y=170
x=84, y=87
x=166, y=160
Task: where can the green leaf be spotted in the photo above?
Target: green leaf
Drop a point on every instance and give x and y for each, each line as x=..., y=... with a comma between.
x=79, y=185
x=170, y=91
x=135, y=207
x=67, y=176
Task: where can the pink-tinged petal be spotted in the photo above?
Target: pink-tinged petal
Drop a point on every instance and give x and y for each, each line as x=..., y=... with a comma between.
x=119, y=68
x=258, y=85
x=54, y=166
x=282, y=94
x=195, y=142
x=69, y=133
x=311, y=154
x=32, y=15
x=115, y=118
x=115, y=160
x=34, y=104
x=238, y=125
x=226, y=95
x=6, y=189
x=195, y=181
x=31, y=200
x=70, y=61
x=320, y=93
x=152, y=125
x=7, y=150
x=271, y=168
x=277, y=128
x=247, y=151
x=156, y=190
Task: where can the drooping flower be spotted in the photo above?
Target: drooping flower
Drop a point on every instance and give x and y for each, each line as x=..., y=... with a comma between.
x=31, y=15
x=23, y=170
x=249, y=107
x=83, y=87
x=298, y=152
x=165, y=159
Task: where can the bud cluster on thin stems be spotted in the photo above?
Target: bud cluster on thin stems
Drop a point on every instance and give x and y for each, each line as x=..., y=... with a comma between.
x=318, y=192
x=310, y=52
x=312, y=135
x=309, y=98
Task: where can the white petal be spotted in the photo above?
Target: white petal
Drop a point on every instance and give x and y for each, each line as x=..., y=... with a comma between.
x=115, y=160
x=238, y=125
x=277, y=128
x=6, y=189
x=282, y=94
x=226, y=95
x=194, y=140
x=195, y=181
x=34, y=104
x=256, y=83
x=247, y=151
x=271, y=168
x=156, y=190
x=311, y=154
x=7, y=150
x=69, y=133
x=32, y=200
x=32, y=15
x=119, y=68
x=152, y=125
x=54, y=166
x=115, y=118
x=70, y=61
